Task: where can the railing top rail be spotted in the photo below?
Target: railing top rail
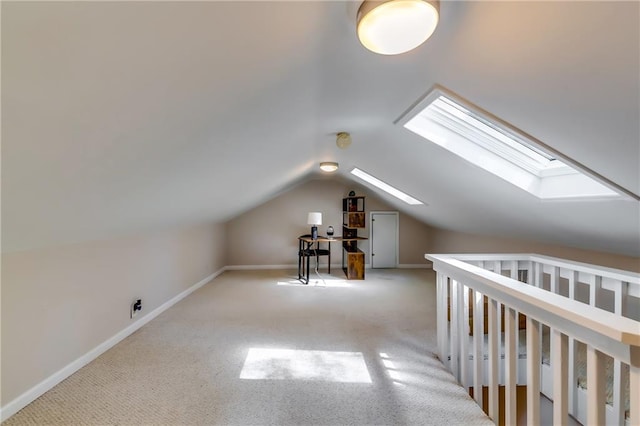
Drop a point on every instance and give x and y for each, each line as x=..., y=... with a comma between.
x=616, y=274
x=603, y=271
x=615, y=327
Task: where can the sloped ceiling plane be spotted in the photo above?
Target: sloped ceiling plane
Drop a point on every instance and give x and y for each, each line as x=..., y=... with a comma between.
x=119, y=117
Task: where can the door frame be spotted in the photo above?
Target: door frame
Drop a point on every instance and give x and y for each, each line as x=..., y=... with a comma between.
x=393, y=212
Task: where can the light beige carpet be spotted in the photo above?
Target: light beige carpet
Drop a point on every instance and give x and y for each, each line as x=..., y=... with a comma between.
x=344, y=353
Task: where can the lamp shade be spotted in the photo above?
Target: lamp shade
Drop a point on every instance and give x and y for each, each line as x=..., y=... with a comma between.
x=314, y=218
x=396, y=26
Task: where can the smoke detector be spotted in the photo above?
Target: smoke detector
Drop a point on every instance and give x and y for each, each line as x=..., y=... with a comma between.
x=343, y=140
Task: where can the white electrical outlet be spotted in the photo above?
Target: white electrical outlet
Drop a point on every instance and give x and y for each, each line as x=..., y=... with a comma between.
x=136, y=307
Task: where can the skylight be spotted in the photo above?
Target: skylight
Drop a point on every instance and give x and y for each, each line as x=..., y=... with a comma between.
x=501, y=149
x=385, y=187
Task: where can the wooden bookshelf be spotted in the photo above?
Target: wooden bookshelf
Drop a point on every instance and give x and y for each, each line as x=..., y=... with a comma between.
x=353, y=218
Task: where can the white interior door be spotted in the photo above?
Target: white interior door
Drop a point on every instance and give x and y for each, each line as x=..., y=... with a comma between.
x=384, y=239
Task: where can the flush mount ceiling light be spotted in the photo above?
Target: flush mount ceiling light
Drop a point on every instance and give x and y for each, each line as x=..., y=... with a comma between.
x=392, y=27
x=328, y=166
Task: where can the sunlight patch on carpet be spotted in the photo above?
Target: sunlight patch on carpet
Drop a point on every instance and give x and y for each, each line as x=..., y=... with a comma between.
x=294, y=364
x=396, y=376
x=317, y=282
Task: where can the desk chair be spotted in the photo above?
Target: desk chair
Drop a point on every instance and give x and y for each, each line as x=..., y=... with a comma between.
x=308, y=252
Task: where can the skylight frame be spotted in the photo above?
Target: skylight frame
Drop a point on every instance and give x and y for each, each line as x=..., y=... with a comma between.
x=386, y=187
x=539, y=170
x=508, y=144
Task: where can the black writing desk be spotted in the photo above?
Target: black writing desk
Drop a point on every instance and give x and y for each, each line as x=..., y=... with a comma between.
x=306, y=243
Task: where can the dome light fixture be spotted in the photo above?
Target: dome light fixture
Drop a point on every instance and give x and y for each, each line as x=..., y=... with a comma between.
x=329, y=166
x=392, y=27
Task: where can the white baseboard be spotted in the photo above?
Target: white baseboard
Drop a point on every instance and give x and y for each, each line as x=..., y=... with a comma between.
x=32, y=394
x=336, y=266
x=323, y=267
x=258, y=267
x=415, y=266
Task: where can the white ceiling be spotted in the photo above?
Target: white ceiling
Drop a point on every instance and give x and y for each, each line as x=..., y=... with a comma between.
x=124, y=117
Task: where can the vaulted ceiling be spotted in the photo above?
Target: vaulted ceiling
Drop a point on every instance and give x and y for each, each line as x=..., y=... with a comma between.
x=122, y=117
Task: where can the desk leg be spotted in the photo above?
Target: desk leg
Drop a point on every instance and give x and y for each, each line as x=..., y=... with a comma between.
x=299, y=259
x=308, y=259
x=300, y=266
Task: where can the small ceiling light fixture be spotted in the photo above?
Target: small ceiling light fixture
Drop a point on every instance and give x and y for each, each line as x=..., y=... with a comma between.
x=329, y=166
x=392, y=27
x=343, y=140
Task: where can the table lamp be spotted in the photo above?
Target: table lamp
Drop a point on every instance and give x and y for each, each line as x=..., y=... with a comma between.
x=314, y=219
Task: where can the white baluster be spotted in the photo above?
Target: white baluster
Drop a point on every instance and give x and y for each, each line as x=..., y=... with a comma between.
x=596, y=385
x=539, y=282
x=559, y=361
x=621, y=295
x=595, y=366
x=442, y=317
x=478, y=346
x=511, y=356
x=595, y=283
x=513, y=269
x=539, y=279
x=447, y=303
x=634, y=386
x=497, y=268
x=554, y=287
x=463, y=310
x=494, y=354
x=455, y=330
x=533, y=371
x=619, y=378
x=514, y=275
x=573, y=279
x=555, y=280
x=573, y=368
x=619, y=382
x=439, y=312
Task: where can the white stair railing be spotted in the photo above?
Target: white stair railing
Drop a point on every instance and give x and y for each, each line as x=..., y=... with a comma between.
x=580, y=303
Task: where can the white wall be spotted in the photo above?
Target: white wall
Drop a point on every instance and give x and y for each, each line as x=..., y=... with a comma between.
x=61, y=302
x=267, y=235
